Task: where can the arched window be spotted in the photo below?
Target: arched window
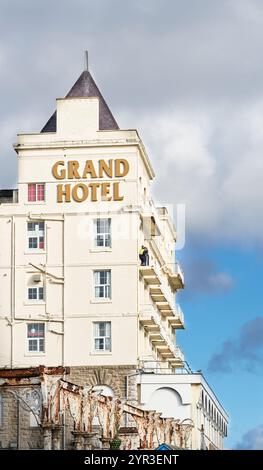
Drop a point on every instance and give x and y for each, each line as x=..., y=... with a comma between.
x=167, y=401
x=104, y=390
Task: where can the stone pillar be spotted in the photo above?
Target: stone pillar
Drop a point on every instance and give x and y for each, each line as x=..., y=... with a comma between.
x=77, y=440
x=105, y=443
x=47, y=437
x=96, y=441
x=88, y=440
x=56, y=438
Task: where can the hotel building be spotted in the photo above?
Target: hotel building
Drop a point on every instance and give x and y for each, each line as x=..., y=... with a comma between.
x=73, y=292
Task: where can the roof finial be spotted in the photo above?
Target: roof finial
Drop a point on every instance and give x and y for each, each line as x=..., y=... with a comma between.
x=86, y=60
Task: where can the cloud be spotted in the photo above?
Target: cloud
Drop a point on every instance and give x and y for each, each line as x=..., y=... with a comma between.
x=203, y=277
x=174, y=70
x=252, y=440
x=213, y=163
x=243, y=352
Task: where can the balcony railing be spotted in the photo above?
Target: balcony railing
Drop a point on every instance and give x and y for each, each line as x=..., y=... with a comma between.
x=177, y=320
x=151, y=366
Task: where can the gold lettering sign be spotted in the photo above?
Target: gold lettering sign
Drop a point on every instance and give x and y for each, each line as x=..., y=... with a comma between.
x=94, y=191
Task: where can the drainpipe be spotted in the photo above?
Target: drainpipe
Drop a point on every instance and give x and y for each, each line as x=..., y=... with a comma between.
x=63, y=332
x=12, y=293
x=63, y=291
x=18, y=424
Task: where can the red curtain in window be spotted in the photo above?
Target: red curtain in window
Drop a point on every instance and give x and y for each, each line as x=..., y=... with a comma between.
x=41, y=192
x=31, y=188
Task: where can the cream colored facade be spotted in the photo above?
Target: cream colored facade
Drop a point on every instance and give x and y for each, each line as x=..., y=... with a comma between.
x=69, y=258
x=188, y=398
x=140, y=302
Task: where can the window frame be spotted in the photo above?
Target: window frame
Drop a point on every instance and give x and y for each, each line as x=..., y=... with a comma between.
x=104, y=338
x=104, y=286
x=104, y=234
x=37, y=339
x=37, y=192
x=36, y=235
x=37, y=299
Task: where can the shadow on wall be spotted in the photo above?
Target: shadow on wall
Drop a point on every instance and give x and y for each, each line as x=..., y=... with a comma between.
x=167, y=401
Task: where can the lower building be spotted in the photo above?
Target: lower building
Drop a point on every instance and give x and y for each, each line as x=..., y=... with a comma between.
x=42, y=408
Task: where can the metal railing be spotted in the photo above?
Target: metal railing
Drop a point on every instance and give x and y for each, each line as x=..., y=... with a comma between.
x=151, y=366
x=175, y=268
x=179, y=313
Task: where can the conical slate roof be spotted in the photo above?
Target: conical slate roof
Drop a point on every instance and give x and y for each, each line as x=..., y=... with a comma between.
x=86, y=87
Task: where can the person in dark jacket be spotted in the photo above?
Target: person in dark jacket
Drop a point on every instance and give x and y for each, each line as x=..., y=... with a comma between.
x=146, y=255
x=142, y=256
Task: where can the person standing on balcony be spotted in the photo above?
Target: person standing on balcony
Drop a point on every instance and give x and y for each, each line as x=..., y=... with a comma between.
x=142, y=256
x=146, y=254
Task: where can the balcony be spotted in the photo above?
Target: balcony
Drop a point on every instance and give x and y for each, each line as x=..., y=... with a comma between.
x=178, y=360
x=159, y=337
x=176, y=277
x=150, y=274
x=157, y=294
x=164, y=308
x=164, y=301
x=174, y=355
x=150, y=220
x=150, y=321
x=177, y=320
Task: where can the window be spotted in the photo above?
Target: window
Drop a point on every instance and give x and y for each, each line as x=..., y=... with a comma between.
x=36, y=192
x=102, y=283
x=102, y=229
x=102, y=336
x=36, y=235
x=35, y=293
x=36, y=337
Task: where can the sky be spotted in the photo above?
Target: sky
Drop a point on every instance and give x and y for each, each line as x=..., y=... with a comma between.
x=188, y=75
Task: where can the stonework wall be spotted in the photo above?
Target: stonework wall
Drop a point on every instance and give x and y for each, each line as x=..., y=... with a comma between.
x=15, y=431
x=121, y=379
